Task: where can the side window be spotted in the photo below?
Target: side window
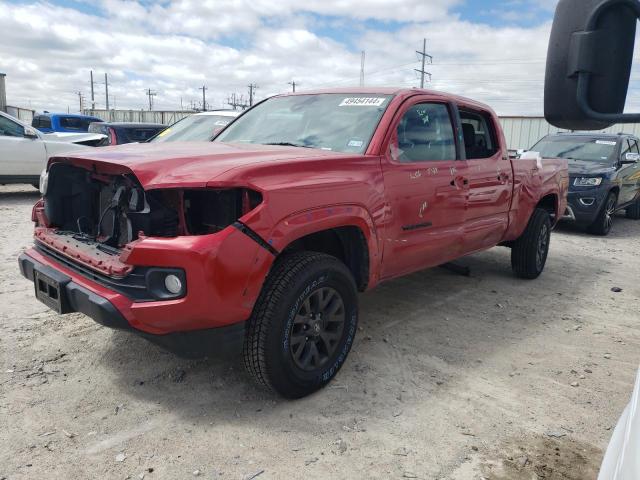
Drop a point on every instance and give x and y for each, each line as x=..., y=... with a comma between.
x=633, y=146
x=625, y=147
x=425, y=134
x=10, y=129
x=45, y=122
x=480, y=139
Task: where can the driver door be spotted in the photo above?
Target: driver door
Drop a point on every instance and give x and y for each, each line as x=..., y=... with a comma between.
x=19, y=155
x=426, y=190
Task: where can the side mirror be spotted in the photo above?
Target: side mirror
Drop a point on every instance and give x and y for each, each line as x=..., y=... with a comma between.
x=532, y=156
x=589, y=63
x=30, y=132
x=520, y=151
x=630, y=158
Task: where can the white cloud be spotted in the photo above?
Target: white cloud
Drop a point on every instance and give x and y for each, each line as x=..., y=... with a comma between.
x=175, y=48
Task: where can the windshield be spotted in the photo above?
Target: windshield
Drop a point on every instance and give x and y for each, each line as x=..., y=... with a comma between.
x=195, y=128
x=586, y=148
x=338, y=122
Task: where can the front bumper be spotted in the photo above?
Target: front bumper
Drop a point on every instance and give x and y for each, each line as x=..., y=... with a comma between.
x=221, y=341
x=208, y=320
x=584, y=205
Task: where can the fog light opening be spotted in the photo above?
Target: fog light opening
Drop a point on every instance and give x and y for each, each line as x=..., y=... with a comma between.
x=173, y=284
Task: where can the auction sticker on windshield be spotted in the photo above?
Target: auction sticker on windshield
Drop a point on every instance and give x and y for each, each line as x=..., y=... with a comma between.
x=362, y=102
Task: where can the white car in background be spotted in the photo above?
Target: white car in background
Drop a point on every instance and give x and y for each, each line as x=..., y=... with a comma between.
x=24, y=151
x=199, y=127
x=622, y=458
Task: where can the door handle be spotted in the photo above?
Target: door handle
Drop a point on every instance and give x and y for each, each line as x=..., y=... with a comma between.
x=458, y=180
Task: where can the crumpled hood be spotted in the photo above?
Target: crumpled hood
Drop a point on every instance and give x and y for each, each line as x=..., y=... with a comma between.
x=583, y=167
x=186, y=164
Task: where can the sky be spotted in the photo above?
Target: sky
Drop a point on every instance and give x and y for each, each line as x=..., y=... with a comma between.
x=493, y=51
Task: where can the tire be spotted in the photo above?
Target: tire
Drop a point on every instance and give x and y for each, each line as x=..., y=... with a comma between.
x=285, y=328
x=604, y=221
x=633, y=210
x=530, y=250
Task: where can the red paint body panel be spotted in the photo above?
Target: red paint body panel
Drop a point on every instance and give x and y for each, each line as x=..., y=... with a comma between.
x=470, y=205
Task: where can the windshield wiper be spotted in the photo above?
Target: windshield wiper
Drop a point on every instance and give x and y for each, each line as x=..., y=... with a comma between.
x=288, y=144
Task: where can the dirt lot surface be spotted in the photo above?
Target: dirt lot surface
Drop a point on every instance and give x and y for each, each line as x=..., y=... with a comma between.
x=451, y=377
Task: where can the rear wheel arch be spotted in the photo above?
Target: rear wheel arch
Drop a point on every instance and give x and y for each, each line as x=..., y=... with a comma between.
x=549, y=203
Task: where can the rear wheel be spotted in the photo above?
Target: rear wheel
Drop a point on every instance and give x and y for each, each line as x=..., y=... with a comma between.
x=604, y=221
x=529, y=252
x=303, y=324
x=633, y=210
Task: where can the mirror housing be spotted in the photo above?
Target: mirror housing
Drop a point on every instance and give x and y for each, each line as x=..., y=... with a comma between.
x=630, y=158
x=589, y=63
x=30, y=132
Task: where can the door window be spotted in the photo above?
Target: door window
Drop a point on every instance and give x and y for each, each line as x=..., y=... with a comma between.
x=480, y=140
x=425, y=134
x=633, y=146
x=10, y=129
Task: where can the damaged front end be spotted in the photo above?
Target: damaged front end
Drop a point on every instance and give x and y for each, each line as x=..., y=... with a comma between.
x=94, y=220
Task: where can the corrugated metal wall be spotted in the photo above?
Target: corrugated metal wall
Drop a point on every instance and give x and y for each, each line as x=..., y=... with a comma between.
x=524, y=132
x=143, y=116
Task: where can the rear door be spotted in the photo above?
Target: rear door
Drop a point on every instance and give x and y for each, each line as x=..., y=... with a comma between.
x=629, y=174
x=490, y=180
x=424, y=187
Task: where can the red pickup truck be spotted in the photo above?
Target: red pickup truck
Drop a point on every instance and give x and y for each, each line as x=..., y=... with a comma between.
x=260, y=240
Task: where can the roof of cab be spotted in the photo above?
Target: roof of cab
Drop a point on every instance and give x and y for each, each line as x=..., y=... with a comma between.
x=397, y=92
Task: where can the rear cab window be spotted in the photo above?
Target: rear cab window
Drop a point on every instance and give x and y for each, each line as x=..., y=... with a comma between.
x=75, y=123
x=479, y=133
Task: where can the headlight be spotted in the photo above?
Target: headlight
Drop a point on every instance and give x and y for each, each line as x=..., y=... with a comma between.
x=44, y=181
x=587, y=181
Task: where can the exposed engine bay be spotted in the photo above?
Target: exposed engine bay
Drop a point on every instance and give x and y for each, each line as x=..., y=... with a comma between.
x=107, y=212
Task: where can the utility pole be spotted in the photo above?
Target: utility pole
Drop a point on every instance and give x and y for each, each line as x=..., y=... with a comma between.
x=151, y=94
x=237, y=101
x=362, y=70
x=204, y=99
x=252, y=89
x=424, y=55
x=293, y=85
x=81, y=101
x=93, y=99
x=106, y=90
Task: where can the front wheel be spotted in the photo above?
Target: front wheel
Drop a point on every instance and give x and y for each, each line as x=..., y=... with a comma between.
x=604, y=221
x=529, y=252
x=303, y=324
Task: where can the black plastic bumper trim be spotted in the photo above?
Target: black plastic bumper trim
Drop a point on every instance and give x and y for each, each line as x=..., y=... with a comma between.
x=255, y=237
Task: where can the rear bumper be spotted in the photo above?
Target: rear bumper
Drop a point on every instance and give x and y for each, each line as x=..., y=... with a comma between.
x=220, y=341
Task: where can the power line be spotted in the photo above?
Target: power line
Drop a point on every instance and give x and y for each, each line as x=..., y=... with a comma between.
x=236, y=101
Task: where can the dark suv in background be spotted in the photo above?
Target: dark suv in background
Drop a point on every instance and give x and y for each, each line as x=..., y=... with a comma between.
x=604, y=176
x=119, y=133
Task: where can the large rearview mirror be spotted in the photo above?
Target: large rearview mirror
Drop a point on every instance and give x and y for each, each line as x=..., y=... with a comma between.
x=589, y=63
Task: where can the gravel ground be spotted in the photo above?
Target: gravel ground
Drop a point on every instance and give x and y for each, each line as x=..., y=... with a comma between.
x=450, y=377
